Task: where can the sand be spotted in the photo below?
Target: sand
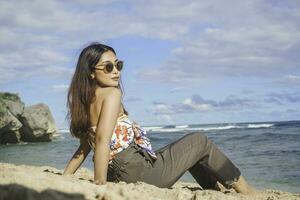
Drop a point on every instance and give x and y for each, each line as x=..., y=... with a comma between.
x=45, y=182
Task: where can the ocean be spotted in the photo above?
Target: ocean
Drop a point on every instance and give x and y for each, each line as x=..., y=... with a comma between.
x=267, y=153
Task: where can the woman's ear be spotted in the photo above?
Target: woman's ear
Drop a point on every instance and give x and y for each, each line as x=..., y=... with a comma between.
x=92, y=75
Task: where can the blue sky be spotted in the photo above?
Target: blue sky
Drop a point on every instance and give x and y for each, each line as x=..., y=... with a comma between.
x=187, y=62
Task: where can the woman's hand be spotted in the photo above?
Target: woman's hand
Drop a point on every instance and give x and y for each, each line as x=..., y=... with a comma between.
x=98, y=182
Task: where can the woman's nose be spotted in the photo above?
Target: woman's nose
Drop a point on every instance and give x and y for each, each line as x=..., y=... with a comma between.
x=115, y=70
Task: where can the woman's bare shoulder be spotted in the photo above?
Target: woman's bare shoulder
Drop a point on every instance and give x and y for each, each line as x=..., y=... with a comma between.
x=107, y=92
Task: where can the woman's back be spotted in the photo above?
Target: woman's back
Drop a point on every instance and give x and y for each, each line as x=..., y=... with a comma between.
x=96, y=106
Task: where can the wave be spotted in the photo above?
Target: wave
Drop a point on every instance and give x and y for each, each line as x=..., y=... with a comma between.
x=187, y=128
x=63, y=131
x=182, y=126
x=260, y=125
x=221, y=127
x=152, y=128
x=56, y=134
x=166, y=130
x=179, y=128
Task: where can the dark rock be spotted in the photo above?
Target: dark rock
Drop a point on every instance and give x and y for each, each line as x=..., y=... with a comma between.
x=38, y=124
x=32, y=124
x=13, y=102
x=9, y=125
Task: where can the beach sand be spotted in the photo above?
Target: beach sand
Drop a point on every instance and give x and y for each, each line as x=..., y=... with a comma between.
x=45, y=182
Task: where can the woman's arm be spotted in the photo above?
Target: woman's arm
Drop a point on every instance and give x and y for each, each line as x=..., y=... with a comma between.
x=78, y=157
x=105, y=127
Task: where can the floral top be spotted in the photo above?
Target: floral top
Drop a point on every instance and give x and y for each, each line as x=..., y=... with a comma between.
x=124, y=134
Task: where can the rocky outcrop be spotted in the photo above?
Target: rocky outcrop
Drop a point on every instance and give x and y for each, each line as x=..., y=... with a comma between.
x=24, y=124
x=38, y=123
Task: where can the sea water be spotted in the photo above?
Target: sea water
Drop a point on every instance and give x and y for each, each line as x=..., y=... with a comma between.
x=267, y=153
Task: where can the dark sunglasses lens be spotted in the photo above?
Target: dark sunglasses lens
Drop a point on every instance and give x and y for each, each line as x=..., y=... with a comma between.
x=119, y=65
x=109, y=67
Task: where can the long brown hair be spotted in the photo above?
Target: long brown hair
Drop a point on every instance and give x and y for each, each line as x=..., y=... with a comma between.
x=82, y=89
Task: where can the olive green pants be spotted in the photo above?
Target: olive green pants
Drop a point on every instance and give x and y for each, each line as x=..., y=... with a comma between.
x=193, y=152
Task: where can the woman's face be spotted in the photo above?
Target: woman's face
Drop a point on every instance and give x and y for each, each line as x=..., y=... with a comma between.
x=103, y=78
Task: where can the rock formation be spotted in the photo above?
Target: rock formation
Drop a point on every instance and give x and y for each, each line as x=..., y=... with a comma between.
x=24, y=124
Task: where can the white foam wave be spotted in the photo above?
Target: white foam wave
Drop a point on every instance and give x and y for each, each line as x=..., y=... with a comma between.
x=63, y=131
x=220, y=128
x=207, y=128
x=259, y=125
x=56, y=134
x=182, y=126
x=152, y=128
x=186, y=128
x=20, y=143
x=165, y=129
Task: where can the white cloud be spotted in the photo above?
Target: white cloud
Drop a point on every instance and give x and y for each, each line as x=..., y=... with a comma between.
x=255, y=38
x=197, y=106
x=162, y=109
x=283, y=98
x=259, y=52
x=41, y=34
x=34, y=61
x=290, y=80
x=196, y=103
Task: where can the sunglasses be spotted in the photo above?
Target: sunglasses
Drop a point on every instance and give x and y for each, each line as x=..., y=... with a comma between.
x=109, y=66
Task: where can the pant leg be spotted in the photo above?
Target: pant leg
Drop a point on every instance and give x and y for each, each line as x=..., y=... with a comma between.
x=204, y=176
x=213, y=166
x=128, y=165
x=193, y=152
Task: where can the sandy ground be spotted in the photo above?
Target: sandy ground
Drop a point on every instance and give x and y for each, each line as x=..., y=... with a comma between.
x=44, y=182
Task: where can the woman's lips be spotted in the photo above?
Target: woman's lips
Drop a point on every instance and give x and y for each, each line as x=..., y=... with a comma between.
x=115, y=79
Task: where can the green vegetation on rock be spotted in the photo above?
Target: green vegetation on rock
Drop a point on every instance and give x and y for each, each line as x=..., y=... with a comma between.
x=9, y=96
x=2, y=108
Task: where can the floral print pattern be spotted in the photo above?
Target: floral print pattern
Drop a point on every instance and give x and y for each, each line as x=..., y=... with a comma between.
x=124, y=134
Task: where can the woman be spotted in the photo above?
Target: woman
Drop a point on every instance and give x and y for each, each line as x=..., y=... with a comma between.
x=122, y=151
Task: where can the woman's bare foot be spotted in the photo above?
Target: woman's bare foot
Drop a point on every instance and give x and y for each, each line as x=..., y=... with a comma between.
x=241, y=186
x=222, y=188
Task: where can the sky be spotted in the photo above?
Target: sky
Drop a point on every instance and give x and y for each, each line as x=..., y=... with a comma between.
x=186, y=62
